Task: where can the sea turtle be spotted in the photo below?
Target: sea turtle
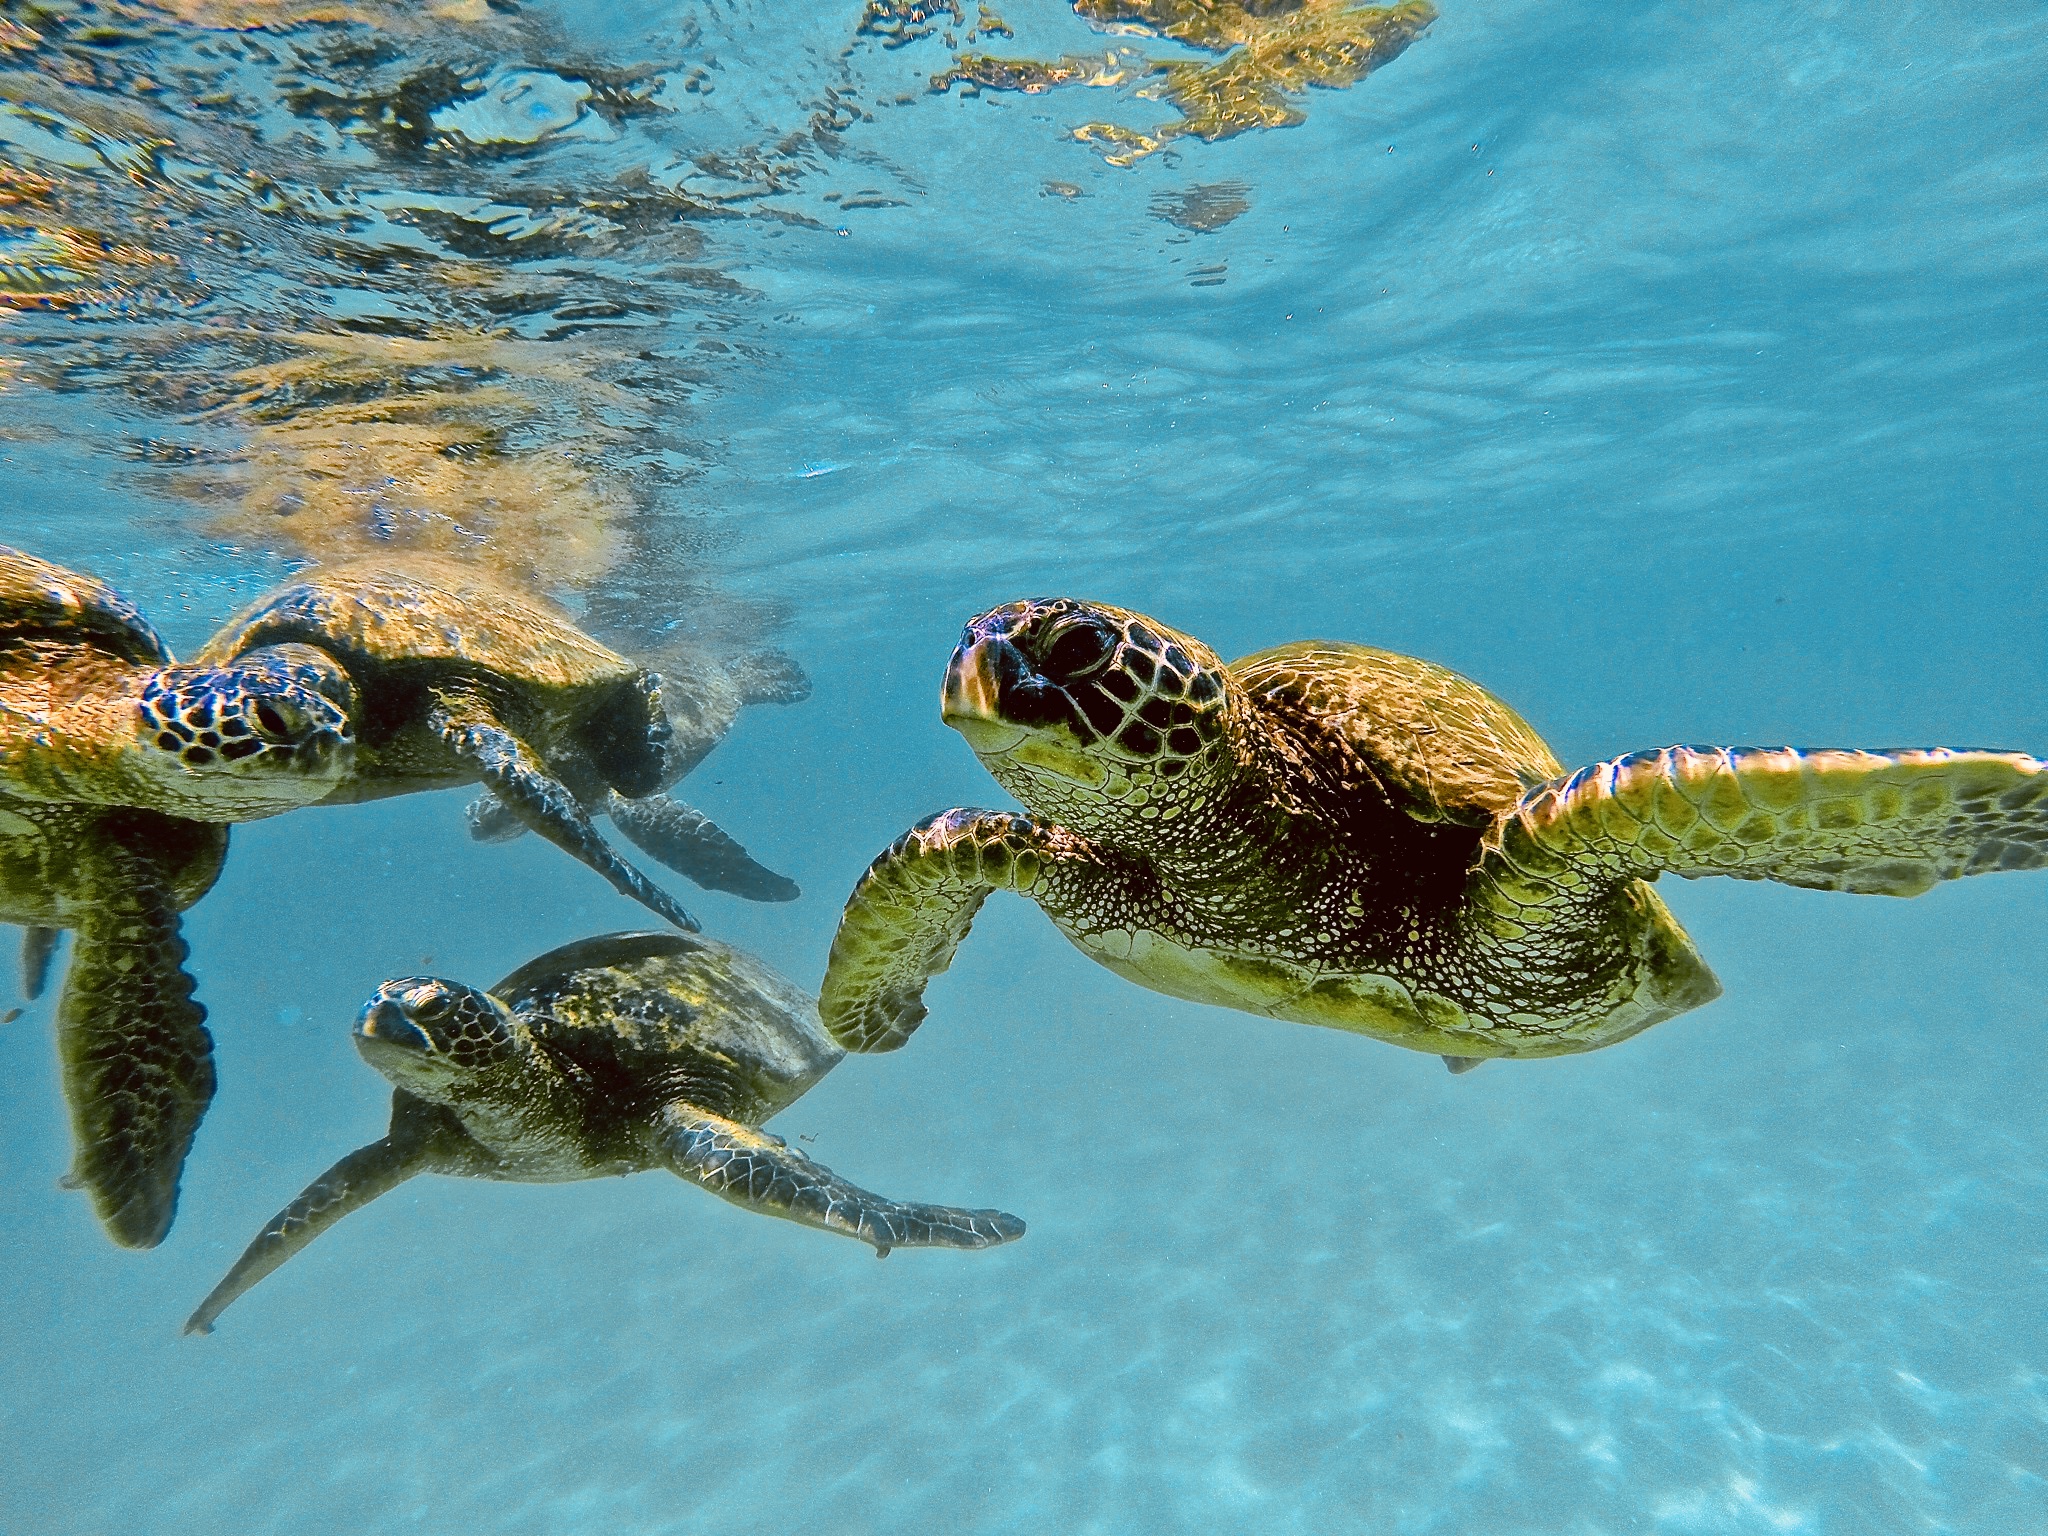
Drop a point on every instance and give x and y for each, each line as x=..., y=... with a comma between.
x=704, y=698
x=459, y=680
x=93, y=710
x=81, y=673
x=1348, y=837
x=135, y=1056
x=609, y=1056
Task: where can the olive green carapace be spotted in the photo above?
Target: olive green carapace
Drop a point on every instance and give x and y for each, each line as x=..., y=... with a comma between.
x=609, y=1056
x=1352, y=838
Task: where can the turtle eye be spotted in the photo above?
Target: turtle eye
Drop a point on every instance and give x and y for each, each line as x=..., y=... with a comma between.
x=1081, y=649
x=431, y=1008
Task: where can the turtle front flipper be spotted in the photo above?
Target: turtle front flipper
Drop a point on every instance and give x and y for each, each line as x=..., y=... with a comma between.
x=914, y=905
x=424, y=1138
x=514, y=772
x=137, y=1059
x=763, y=1173
x=1880, y=823
x=691, y=844
x=38, y=949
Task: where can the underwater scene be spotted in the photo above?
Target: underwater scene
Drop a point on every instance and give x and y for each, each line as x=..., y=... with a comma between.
x=1119, y=650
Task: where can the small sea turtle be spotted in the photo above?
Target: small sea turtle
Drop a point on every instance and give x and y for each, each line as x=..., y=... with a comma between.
x=704, y=698
x=459, y=680
x=1348, y=837
x=93, y=710
x=608, y=1056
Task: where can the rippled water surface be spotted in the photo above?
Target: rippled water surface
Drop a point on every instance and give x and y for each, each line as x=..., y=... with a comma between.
x=1676, y=370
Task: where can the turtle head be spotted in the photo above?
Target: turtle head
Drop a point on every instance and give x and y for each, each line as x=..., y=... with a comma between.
x=439, y=1040
x=1089, y=713
x=266, y=732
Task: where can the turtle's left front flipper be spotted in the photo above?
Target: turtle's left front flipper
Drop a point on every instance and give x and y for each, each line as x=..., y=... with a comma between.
x=424, y=1138
x=759, y=1171
x=521, y=781
x=137, y=1059
x=692, y=845
x=1882, y=823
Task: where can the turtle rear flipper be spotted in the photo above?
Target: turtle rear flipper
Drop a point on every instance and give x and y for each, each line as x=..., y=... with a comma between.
x=516, y=775
x=762, y=1173
x=491, y=820
x=424, y=1138
x=38, y=949
x=1877, y=823
x=691, y=844
x=769, y=677
x=137, y=1060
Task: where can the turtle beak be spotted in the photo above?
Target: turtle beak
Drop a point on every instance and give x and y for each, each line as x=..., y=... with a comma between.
x=970, y=701
x=384, y=1023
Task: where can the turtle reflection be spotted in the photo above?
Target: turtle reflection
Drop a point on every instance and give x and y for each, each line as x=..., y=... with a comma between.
x=1271, y=54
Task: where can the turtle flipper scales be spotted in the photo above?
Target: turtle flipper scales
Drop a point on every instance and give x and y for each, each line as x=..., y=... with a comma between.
x=1882, y=823
x=691, y=844
x=137, y=1059
x=761, y=1172
x=912, y=908
x=516, y=775
x=423, y=1139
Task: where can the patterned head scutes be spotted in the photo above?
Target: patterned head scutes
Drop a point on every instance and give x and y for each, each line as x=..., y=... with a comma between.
x=1117, y=681
x=37, y=597
x=1093, y=715
x=421, y=1031
x=283, y=713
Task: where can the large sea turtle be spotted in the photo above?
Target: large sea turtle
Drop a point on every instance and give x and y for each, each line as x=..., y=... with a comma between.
x=458, y=681
x=1353, y=838
x=608, y=1056
x=88, y=694
x=704, y=696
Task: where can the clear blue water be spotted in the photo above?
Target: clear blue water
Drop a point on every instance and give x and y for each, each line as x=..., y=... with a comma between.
x=1677, y=372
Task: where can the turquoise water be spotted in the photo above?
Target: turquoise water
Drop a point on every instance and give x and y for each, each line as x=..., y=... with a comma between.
x=1679, y=375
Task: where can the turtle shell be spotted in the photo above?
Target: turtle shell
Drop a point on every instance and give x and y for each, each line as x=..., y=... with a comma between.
x=38, y=598
x=425, y=611
x=654, y=1017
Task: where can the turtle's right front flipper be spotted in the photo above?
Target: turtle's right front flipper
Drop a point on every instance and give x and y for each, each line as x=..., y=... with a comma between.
x=914, y=905
x=522, y=783
x=763, y=1173
x=692, y=845
x=423, y=1138
x=137, y=1060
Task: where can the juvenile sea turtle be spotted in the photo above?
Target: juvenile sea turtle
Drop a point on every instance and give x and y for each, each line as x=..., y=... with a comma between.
x=704, y=698
x=1347, y=837
x=459, y=680
x=93, y=710
x=608, y=1056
